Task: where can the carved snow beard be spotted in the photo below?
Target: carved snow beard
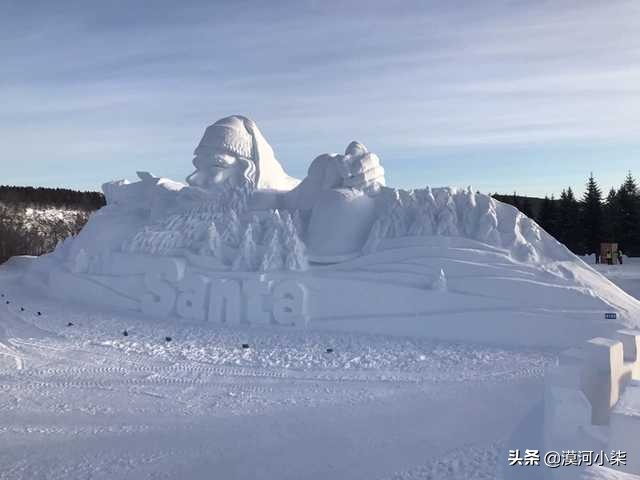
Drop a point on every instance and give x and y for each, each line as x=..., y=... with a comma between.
x=242, y=172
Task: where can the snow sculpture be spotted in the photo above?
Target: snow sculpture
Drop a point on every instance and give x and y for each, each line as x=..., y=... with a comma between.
x=424, y=221
x=273, y=257
x=234, y=151
x=246, y=259
x=440, y=283
x=80, y=263
x=235, y=166
x=243, y=242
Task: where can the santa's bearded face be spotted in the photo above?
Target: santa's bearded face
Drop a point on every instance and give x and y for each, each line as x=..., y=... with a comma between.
x=215, y=168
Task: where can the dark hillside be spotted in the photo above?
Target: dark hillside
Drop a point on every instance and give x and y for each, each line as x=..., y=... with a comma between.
x=34, y=220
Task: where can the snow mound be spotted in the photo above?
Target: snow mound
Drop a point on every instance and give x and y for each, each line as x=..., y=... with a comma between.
x=338, y=250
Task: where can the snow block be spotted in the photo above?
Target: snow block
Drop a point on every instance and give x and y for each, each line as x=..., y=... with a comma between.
x=566, y=412
x=631, y=344
x=564, y=376
x=602, y=376
x=566, y=409
x=572, y=356
x=625, y=427
x=604, y=354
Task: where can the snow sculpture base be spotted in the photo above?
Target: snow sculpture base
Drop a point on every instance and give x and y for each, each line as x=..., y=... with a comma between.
x=400, y=289
x=601, y=381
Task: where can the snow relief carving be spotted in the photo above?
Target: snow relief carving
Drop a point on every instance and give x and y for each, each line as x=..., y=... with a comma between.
x=242, y=242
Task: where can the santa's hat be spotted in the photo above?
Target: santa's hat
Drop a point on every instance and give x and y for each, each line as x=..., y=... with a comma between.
x=240, y=136
x=229, y=135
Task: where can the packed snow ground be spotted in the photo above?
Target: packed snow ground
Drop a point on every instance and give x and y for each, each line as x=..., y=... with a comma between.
x=626, y=276
x=85, y=401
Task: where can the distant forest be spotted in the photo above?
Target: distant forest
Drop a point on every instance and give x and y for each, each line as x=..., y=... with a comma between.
x=51, y=197
x=582, y=224
x=33, y=220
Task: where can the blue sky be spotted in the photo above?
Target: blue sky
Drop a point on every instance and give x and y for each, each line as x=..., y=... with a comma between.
x=500, y=95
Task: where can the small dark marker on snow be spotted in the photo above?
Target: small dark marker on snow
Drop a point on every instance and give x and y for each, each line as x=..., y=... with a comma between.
x=329, y=350
x=8, y=302
x=125, y=333
x=168, y=339
x=22, y=309
x=38, y=313
x=245, y=345
x=70, y=324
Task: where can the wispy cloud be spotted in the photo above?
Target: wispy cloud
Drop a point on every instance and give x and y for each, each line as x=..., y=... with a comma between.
x=111, y=89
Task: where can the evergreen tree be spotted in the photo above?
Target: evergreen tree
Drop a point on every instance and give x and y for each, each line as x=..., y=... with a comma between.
x=525, y=207
x=397, y=217
x=487, y=227
x=295, y=254
x=592, y=216
x=611, y=216
x=440, y=282
x=231, y=234
x=548, y=217
x=213, y=244
x=515, y=201
x=628, y=221
x=273, y=257
x=446, y=217
x=246, y=259
x=569, y=231
x=272, y=223
x=423, y=222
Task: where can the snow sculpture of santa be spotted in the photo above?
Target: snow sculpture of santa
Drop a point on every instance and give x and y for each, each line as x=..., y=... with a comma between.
x=339, y=195
x=339, y=190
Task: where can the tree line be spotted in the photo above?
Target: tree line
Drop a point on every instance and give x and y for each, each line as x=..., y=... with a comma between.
x=52, y=197
x=34, y=220
x=583, y=224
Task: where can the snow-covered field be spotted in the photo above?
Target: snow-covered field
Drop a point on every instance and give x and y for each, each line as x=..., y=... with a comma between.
x=85, y=401
x=626, y=276
x=274, y=348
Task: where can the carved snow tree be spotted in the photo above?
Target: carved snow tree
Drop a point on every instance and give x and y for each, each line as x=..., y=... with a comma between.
x=273, y=257
x=295, y=255
x=247, y=256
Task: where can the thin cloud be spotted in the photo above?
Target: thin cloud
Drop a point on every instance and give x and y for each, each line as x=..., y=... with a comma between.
x=405, y=77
